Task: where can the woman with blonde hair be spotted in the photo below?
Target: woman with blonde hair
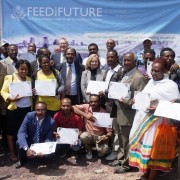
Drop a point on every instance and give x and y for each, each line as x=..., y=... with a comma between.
x=93, y=73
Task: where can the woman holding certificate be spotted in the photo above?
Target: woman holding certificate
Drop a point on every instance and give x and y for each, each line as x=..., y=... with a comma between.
x=93, y=73
x=147, y=127
x=16, y=92
x=49, y=85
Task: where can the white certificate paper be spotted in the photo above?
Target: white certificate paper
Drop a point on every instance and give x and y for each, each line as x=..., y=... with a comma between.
x=27, y=56
x=168, y=109
x=142, y=101
x=149, y=67
x=103, y=120
x=117, y=90
x=94, y=87
x=44, y=148
x=46, y=87
x=24, y=89
x=67, y=135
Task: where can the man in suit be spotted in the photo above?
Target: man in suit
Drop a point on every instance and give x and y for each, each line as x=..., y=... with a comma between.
x=113, y=74
x=125, y=114
x=35, y=64
x=71, y=72
x=11, y=60
x=31, y=48
x=59, y=57
x=27, y=134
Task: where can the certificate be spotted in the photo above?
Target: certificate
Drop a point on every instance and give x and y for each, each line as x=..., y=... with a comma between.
x=149, y=67
x=24, y=89
x=168, y=109
x=142, y=101
x=94, y=87
x=117, y=90
x=44, y=148
x=27, y=56
x=67, y=135
x=45, y=87
x=102, y=120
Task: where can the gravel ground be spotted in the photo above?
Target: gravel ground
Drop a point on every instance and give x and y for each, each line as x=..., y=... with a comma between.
x=69, y=168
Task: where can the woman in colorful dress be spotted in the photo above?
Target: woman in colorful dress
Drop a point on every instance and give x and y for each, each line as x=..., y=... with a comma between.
x=145, y=123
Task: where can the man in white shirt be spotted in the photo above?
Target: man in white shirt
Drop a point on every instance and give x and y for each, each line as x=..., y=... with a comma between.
x=59, y=57
x=71, y=72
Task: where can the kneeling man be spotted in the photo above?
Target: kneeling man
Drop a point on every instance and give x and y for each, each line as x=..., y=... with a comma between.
x=93, y=136
x=37, y=127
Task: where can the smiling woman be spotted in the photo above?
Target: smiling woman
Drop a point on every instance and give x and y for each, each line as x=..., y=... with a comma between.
x=47, y=72
x=17, y=106
x=145, y=124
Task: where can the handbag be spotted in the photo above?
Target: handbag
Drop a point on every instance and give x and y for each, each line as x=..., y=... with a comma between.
x=164, y=145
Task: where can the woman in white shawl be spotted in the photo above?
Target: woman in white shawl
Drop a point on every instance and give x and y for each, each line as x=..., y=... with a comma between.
x=145, y=123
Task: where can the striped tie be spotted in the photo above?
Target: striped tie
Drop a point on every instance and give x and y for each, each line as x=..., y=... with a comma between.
x=37, y=135
x=68, y=80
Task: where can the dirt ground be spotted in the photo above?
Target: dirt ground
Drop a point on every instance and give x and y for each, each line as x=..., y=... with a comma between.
x=68, y=168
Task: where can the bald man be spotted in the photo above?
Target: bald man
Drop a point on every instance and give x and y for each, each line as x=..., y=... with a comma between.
x=125, y=114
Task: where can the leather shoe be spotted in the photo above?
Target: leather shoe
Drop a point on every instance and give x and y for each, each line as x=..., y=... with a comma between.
x=121, y=170
x=114, y=163
x=18, y=165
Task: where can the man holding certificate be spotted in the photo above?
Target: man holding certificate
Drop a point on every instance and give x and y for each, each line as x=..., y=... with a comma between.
x=125, y=114
x=37, y=127
x=94, y=135
x=69, y=126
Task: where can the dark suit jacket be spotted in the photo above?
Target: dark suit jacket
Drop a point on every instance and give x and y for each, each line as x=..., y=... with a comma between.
x=34, y=67
x=79, y=68
x=57, y=56
x=27, y=130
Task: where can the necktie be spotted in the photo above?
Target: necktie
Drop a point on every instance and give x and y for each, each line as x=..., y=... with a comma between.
x=37, y=135
x=68, y=80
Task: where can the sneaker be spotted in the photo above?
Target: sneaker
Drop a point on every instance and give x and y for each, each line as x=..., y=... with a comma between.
x=89, y=155
x=112, y=156
x=18, y=165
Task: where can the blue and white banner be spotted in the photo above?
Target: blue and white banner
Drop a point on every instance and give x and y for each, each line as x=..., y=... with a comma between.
x=128, y=22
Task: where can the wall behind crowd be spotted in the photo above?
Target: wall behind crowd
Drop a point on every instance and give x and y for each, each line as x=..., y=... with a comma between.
x=83, y=22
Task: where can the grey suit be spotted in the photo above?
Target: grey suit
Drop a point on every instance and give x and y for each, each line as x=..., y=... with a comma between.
x=125, y=114
x=86, y=77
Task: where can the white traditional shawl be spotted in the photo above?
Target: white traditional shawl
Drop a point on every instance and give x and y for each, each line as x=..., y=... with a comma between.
x=164, y=89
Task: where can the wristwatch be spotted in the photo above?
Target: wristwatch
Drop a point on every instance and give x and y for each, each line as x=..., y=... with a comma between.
x=25, y=148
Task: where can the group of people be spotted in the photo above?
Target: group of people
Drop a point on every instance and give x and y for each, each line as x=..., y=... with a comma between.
x=35, y=118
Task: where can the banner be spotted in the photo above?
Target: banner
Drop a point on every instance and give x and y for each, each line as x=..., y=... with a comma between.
x=128, y=22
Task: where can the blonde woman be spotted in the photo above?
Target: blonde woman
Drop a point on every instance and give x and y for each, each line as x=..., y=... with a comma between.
x=93, y=73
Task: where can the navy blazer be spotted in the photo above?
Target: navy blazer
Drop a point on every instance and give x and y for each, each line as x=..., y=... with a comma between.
x=27, y=130
x=57, y=56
